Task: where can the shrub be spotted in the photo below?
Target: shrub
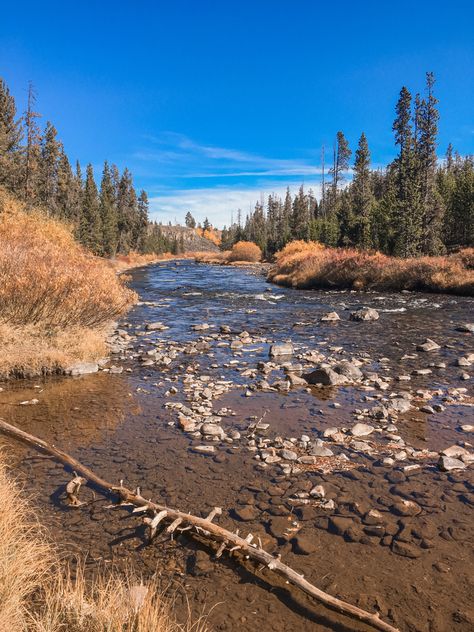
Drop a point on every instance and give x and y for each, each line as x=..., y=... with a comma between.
x=47, y=278
x=310, y=265
x=245, y=251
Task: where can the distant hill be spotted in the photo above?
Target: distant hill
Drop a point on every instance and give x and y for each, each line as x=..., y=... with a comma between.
x=189, y=238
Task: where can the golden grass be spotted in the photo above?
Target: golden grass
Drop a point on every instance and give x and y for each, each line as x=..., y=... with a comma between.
x=38, y=593
x=55, y=297
x=31, y=350
x=310, y=265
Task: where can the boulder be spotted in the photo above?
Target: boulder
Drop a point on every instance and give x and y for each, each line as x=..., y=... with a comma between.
x=467, y=328
x=361, y=430
x=428, y=345
x=82, y=368
x=330, y=317
x=446, y=464
x=282, y=349
x=156, y=327
x=365, y=313
x=349, y=370
x=325, y=376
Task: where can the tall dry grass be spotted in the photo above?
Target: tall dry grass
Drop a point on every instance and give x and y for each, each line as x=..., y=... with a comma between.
x=310, y=265
x=55, y=297
x=38, y=593
x=136, y=260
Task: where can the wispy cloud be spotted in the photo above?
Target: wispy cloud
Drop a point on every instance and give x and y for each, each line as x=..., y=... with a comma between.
x=212, y=181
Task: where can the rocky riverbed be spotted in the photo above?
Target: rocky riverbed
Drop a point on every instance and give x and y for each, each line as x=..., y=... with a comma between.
x=337, y=427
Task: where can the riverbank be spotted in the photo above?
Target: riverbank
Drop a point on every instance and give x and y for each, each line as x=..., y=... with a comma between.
x=309, y=265
x=57, y=301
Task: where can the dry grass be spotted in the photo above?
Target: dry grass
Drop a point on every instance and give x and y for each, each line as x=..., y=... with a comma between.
x=39, y=594
x=311, y=265
x=55, y=297
x=31, y=350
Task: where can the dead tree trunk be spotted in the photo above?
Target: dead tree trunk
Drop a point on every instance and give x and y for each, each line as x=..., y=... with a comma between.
x=229, y=541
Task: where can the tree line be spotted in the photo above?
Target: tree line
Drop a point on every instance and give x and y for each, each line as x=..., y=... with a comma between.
x=413, y=207
x=109, y=219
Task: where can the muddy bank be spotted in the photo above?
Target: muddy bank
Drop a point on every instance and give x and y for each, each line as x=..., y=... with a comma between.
x=377, y=522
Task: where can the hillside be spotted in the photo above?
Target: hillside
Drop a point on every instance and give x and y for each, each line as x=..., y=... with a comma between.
x=189, y=238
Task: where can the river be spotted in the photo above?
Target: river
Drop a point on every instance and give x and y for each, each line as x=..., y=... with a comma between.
x=397, y=535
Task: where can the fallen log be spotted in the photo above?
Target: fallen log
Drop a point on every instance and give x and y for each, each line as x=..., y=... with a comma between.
x=183, y=521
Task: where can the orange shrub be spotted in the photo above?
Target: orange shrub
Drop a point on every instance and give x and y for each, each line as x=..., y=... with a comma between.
x=245, y=251
x=310, y=265
x=47, y=279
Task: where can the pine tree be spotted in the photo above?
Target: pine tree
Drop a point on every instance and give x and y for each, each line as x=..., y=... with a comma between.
x=362, y=197
x=65, y=204
x=90, y=228
x=10, y=140
x=189, y=220
x=142, y=221
x=206, y=225
x=108, y=214
x=48, y=169
x=427, y=117
x=300, y=219
x=32, y=150
x=407, y=214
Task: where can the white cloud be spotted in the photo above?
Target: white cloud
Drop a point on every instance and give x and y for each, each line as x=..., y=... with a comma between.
x=217, y=204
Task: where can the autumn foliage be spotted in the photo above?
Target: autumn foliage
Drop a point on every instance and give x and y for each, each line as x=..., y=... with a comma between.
x=54, y=295
x=245, y=251
x=310, y=265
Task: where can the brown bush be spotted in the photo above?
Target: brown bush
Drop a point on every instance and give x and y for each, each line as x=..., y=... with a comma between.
x=47, y=278
x=311, y=265
x=245, y=251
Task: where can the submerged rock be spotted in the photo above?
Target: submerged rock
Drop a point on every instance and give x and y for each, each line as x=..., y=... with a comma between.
x=82, y=368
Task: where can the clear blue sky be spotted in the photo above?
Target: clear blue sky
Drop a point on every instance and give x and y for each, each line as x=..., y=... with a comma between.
x=212, y=104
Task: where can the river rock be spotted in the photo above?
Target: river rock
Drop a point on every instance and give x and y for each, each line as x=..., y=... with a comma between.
x=304, y=544
x=212, y=429
x=282, y=349
x=321, y=451
x=361, y=430
x=405, y=549
x=349, y=370
x=330, y=317
x=325, y=376
x=399, y=405
x=156, y=326
x=288, y=455
x=340, y=524
x=204, y=449
x=446, y=464
x=82, y=368
x=365, y=313
x=428, y=345
x=246, y=513
x=466, y=328
x=455, y=451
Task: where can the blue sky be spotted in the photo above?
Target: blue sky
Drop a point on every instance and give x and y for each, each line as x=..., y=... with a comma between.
x=213, y=104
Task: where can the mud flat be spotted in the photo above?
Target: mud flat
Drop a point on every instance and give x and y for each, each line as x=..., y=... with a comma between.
x=335, y=426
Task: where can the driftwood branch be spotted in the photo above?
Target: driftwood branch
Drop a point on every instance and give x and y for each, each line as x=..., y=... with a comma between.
x=203, y=526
